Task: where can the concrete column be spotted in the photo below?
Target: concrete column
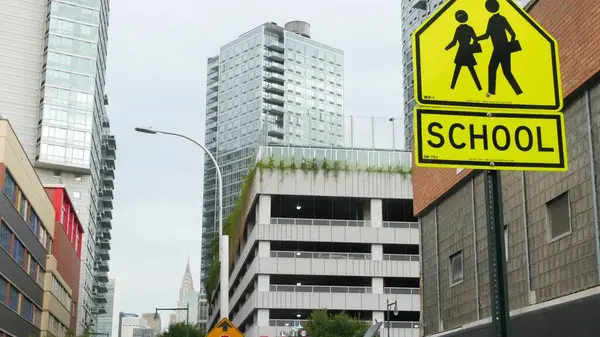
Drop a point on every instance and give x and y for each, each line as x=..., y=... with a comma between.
x=263, y=209
x=264, y=282
x=379, y=316
x=377, y=252
x=262, y=317
x=377, y=285
x=376, y=213
x=264, y=249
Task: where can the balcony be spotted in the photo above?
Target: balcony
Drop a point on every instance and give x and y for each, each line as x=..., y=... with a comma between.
x=212, y=125
x=101, y=288
x=100, y=298
x=274, y=99
x=274, y=88
x=105, y=256
x=274, y=44
x=102, y=265
x=275, y=67
x=212, y=107
x=274, y=77
x=102, y=277
x=275, y=130
x=275, y=55
x=103, y=243
x=212, y=97
x=111, y=142
x=274, y=109
x=212, y=77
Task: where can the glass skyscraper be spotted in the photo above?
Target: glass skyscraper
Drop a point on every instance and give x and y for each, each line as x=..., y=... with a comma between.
x=105, y=321
x=272, y=85
x=54, y=61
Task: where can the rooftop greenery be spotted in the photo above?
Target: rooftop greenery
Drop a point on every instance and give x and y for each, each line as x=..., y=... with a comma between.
x=331, y=169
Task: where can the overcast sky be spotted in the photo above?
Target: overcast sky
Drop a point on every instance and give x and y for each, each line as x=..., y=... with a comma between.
x=157, y=77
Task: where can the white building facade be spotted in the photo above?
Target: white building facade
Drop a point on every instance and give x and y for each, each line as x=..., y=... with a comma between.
x=188, y=298
x=342, y=239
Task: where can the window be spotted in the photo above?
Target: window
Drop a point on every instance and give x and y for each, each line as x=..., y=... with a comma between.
x=23, y=205
x=3, y=285
x=27, y=309
x=558, y=215
x=456, y=268
x=19, y=252
x=33, y=267
x=33, y=221
x=9, y=186
x=5, y=236
x=13, y=299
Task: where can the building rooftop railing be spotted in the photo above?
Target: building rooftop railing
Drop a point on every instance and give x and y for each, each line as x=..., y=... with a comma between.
x=362, y=158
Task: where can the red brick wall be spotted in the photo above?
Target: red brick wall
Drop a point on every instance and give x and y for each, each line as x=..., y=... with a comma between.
x=575, y=24
x=68, y=265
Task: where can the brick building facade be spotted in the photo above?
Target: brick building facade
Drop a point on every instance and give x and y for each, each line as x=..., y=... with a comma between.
x=551, y=219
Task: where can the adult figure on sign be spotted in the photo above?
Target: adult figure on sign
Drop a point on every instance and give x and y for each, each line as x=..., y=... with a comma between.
x=496, y=30
x=465, y=57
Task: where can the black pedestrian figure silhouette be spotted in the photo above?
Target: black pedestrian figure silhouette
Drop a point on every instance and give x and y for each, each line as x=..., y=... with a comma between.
x=465, y=55
x=501, y=55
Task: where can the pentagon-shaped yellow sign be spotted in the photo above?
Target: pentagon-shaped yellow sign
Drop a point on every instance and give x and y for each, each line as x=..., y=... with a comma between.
x=485, y=54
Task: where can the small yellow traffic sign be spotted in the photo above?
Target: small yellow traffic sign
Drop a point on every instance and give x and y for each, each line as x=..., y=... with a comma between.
x=485, y=54
x=524, y=141
x=225, y=329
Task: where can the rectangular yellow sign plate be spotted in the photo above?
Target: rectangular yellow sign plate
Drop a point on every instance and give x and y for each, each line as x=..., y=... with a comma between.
x=521, y=141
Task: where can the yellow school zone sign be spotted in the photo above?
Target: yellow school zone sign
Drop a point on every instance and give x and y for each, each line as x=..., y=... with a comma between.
x=523, y=141
x=486, y=54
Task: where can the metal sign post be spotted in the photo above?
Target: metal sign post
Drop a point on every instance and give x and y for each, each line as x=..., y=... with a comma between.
x=496, y=258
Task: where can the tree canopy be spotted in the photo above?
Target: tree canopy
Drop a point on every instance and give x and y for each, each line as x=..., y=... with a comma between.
x=323, y=324
x=179, y=330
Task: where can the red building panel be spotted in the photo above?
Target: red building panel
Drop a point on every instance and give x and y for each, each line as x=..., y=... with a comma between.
x=68, y=233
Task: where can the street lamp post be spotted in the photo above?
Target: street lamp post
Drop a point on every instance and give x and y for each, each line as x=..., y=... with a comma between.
x=389, y=305
x=393, y=121
x=223, y=239
x=187, y=315
x=121, y=315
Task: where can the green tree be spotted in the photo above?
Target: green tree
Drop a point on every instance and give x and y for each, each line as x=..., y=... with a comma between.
x=179, y=330
x=323, y=324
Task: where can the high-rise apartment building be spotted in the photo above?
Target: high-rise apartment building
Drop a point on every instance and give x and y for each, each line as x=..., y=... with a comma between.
x=106, y=320
x=202, y=308
x=53, y=65
x=271, y=85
